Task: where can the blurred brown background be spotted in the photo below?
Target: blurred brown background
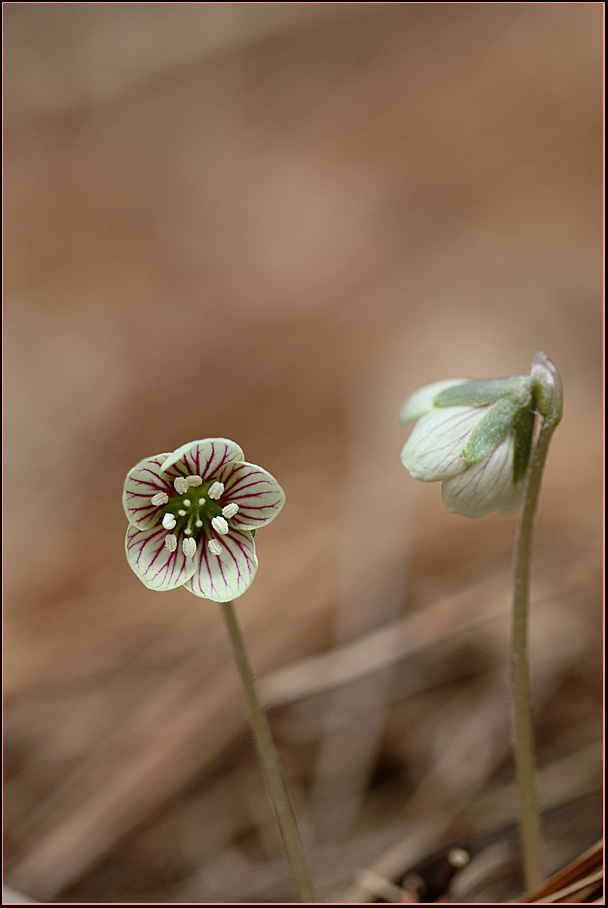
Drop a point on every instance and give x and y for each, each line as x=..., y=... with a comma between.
x=272, y=222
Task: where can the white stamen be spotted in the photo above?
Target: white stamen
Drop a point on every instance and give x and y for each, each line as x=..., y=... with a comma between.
x=169, y=521
x=188, y=531
x=181, y=485
x=171, y=543
x=160, y=499
x=220, y=525
x=199, y=523
x=189, y=547
x=201, y=501
x=215, y=547
x=194, y=480
x=230, y=510
x=181, y=513
x=216, y=490
x=186, y=502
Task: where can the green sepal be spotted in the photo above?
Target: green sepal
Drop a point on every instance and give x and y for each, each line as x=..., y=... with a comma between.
x=492, y=428
x=523, y=443
x=481, y=393
x=548, y=391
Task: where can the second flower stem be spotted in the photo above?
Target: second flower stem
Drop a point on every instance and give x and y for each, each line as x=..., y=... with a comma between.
x=524, y=751
x=269, y=758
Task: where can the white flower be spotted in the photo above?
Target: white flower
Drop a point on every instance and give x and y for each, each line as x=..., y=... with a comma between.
x=172, y=492
x=474, y=437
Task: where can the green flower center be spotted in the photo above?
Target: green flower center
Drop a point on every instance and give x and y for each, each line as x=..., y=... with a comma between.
x=193, y=511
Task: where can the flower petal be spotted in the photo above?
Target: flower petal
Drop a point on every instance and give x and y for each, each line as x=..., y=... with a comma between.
x=257, y=493
x=421, y=401
x=485, y=486
x=202, y=458
x=154, y=564
x=143, y=482
x=226, y=576
x=434, y=449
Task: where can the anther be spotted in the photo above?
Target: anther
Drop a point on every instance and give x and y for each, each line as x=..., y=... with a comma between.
x=216, y=490
x=160, y=499
x=181, y=485
x=169, y=521
x=220, y=525
x=199, y=522
x=187, y=502
x=194, y=480
x=230, y=510
x=181, y=513
x=171, y=543
x=189, y=547
x=215, y=547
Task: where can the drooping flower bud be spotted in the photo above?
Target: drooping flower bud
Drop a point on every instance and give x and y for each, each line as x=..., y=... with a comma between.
x=475, y=437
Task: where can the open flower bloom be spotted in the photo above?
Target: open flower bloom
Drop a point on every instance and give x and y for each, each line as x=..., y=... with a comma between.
x=474, y=437
x=193, y=515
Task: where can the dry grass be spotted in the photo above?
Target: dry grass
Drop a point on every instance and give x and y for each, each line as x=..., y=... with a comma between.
x=251, y=221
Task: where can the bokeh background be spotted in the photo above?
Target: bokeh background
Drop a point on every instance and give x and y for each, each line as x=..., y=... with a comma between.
x=272, y=222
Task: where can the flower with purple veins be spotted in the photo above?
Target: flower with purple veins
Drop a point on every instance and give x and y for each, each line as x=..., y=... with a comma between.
x=193, y=515
x=474, y=437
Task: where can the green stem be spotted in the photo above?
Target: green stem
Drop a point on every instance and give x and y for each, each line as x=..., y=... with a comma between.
x=525, y=762
x=269, y=758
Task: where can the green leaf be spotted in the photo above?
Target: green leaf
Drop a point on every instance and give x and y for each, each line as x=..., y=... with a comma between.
x=523, y=443
x=484, y=392
x=492, y=428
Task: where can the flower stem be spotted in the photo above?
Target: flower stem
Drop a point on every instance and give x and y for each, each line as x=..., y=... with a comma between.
x=269, y=758
x=524, y=751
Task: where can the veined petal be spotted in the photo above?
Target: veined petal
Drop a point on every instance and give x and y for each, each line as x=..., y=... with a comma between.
x=485, y=486
x=202, y=458
x=257, y=493
x=224, y=577
x=143, y=482
x=154, y=564
x=421, y=401
x=434, y=449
